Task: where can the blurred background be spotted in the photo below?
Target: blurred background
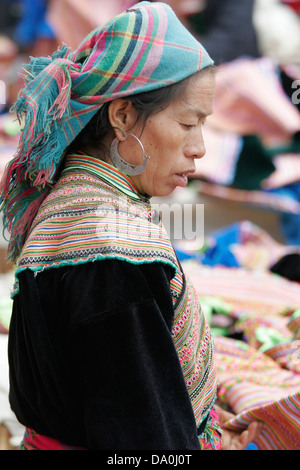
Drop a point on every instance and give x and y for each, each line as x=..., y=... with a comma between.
x=249, y=180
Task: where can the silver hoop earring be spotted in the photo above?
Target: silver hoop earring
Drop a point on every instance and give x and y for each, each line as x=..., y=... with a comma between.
x=124, y=166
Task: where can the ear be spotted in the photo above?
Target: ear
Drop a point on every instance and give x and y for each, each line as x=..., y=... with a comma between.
x=122, y=116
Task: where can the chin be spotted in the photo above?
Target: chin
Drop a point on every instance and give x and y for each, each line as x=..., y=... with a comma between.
x=163, y=192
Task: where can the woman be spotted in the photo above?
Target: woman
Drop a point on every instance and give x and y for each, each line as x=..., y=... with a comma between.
x=108, y=346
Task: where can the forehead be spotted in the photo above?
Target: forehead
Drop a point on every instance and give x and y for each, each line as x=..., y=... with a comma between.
x=198, y=94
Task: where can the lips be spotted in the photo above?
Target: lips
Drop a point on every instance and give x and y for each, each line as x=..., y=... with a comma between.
x=182, y=178
x=186, y=173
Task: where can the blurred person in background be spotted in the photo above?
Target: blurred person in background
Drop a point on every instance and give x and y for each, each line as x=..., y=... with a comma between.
x=225, y=27
x=34, y=34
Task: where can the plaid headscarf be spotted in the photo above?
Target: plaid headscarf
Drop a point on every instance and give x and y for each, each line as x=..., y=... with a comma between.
x=140, y=50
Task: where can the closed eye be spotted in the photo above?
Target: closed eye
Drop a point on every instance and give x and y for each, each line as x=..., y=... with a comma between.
x=190, y=126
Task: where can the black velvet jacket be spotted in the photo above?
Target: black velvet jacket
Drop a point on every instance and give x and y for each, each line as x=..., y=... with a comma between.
x=92, y=361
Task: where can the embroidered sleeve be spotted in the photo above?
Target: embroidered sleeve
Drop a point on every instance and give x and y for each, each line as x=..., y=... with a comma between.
x=210, y=438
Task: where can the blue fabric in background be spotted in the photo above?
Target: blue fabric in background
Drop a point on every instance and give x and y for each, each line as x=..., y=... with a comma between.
x=251, y=446
x=290, y=223
x=217, y=251
x=290, y=226
x=33, y=24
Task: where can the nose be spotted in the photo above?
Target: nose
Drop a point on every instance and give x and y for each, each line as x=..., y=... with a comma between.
x=195, y=147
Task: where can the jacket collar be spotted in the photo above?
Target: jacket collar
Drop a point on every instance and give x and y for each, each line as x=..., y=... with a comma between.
x=104, y=171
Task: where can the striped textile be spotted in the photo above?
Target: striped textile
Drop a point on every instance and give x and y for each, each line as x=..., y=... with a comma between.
x=136, y=52
x=255, y=387
x=253, y=292
x=192, y=338
x=86, y=218
x=259, y=377
x=249, y=378
x=281, y=429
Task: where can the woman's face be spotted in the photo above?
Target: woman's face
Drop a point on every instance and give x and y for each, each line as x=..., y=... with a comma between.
x=173, y=139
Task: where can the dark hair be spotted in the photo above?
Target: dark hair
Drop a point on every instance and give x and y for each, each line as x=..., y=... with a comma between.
x=146, y=104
